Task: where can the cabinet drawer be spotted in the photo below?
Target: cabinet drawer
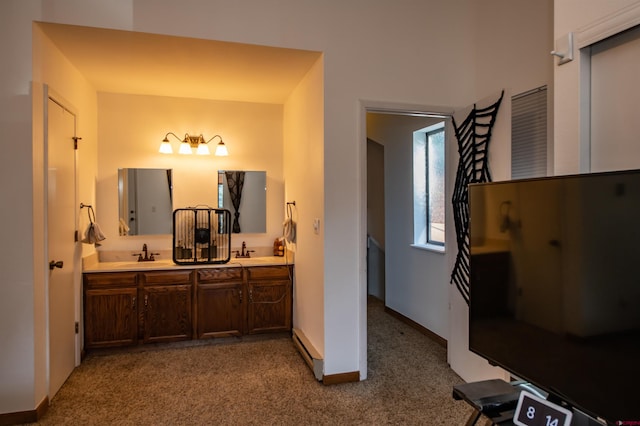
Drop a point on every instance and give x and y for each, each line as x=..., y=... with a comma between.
x=109, y=279
x=267, y=272
x=167, y=278
x=219, y=274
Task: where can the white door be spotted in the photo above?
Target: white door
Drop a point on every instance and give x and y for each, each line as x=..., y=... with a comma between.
x=61, y=202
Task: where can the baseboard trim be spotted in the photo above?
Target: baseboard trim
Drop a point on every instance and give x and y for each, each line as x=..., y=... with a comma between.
x=309, y=353
x=21, y=417
x=335, y=379
x=422, y=329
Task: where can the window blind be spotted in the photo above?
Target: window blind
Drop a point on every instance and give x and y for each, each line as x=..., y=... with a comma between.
x=529, y=134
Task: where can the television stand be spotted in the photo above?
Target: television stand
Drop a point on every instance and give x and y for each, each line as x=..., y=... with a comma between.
x=495, y=399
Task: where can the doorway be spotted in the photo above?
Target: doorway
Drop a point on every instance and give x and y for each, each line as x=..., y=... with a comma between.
x=416, y=279
x=375, y=220
x=390, y=198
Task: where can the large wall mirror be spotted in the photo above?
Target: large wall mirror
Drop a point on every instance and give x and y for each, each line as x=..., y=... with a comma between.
x=244, y=193
x=145, y=199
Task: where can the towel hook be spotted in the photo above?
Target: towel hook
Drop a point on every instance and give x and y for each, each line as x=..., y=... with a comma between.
x=90, y=212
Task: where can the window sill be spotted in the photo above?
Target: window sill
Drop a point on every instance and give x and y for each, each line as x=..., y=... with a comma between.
x=430, y=247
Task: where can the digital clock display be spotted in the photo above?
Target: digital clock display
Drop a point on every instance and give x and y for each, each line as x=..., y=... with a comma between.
x=535, y=411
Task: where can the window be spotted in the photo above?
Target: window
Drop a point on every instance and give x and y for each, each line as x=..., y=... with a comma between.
x=428, y=186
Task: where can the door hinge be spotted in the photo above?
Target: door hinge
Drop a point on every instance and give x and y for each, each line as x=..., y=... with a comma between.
x=76, y=236
x=77, y=327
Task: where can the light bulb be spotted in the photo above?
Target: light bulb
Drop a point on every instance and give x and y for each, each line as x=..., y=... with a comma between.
x=185, y=148
x=203, y=149
x=221, y=150
x=165, y=147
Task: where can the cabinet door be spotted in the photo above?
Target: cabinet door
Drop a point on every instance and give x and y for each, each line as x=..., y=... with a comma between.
x=491, y=271
x=220, y=310
x=166, y=313
x=269, y=306
x=110, y=317
x=166, y=305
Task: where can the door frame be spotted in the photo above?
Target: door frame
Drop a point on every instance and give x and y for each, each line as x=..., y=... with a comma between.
x=51, y=94
x=366, y=106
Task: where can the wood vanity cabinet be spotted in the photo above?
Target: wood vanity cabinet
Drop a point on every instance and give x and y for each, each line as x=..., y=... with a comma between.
x=110, y=309
x=269, y=299
x=166, y=298
x=126, y=308
x=220, y=304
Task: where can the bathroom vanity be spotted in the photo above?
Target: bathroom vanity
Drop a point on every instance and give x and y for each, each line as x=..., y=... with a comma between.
x=126, y=303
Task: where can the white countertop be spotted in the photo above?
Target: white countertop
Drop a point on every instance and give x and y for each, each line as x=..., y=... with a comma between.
x=166, y=264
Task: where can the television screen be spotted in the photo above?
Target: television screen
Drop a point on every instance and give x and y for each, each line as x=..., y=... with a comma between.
x=555, y=286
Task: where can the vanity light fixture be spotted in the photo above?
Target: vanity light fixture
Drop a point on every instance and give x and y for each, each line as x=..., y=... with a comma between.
x=189, y=143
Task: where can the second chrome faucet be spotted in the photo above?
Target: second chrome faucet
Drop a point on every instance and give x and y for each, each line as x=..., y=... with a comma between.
x=244, y=253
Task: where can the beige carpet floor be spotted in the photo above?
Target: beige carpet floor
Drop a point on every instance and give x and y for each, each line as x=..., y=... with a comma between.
x=262, y=381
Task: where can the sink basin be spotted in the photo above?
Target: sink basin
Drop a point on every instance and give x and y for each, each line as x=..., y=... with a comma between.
x=256, y=260
x=150, y=264
x=134, y=265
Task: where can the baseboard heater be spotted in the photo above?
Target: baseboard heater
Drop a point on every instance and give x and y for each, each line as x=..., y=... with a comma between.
x=311, y=356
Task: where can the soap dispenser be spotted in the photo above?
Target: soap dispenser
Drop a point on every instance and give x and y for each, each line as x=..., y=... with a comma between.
x=278, y=247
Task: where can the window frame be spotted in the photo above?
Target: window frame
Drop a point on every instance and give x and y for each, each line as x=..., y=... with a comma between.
x=423, y=136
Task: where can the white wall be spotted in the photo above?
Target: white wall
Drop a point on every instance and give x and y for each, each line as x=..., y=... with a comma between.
x=51, y=67
x=389, y=58
x=131, y=128
x=303, y=164
x=20, y=337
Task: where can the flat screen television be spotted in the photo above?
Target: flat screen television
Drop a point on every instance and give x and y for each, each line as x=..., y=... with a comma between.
x=555, y=286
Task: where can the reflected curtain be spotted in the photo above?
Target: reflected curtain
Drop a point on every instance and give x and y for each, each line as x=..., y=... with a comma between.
x=235, y=183
x=170, y=183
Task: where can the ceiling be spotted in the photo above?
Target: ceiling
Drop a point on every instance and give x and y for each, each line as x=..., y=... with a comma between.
x=150, y=64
